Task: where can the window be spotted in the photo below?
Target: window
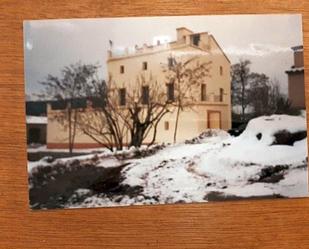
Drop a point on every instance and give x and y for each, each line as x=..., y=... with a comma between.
x=58, y=105
x=221, y=95
x=97, y=102
x=122, y=69
x=145, y=65
x=166, y=125
x=170, y=92
x=34, y=135
x=122, y=96
x=145, y=95
x=221, y=70
x=170, y=62
x=78, y=103
x=203, y=92
x=195, y=39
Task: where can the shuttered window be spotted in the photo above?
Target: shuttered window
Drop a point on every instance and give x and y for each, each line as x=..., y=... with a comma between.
x=170, y=92
x=122, y=96
x=145, y=95
x=203, y=92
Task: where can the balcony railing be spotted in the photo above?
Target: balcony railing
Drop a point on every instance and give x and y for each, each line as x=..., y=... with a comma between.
x=214, y=98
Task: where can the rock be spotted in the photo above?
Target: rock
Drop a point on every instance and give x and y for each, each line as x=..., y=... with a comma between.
x=285, y=137
x=220, y=196
x=109, y=181
x=47, y=159
x=271, y=174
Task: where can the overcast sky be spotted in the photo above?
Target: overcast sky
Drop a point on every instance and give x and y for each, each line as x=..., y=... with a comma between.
x=264, y=39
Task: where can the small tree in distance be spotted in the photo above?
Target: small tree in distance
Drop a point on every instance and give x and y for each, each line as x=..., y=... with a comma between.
x=240, y=74
x=256, y=90
x=259, y=94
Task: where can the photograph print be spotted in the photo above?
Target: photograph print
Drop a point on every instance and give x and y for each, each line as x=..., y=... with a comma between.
x=164, y=110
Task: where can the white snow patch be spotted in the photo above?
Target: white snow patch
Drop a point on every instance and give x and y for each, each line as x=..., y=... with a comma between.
x=268, y=125
x=218, y=163
x=32, y=165
x=36, y=120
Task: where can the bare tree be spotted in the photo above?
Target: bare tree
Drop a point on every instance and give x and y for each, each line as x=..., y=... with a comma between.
x=279, y=103
x=259, y=94
x=67, y=90
x=146, y=105
x=119, y=113
x=240, y=74
x=186, y=78
x=104, y=121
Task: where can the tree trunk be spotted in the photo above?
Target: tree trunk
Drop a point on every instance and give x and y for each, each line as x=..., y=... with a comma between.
x=137, y=136
x=243, y=100
x=243, y=113
x=74, y=130
x=176, y=124
x=70, y=130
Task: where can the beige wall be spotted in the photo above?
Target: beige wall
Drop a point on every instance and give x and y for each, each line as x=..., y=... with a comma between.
x=297, y=89
x=192, y=122
x=157, y=60
x=299, y=59
x=57, y=133
x=182, y=34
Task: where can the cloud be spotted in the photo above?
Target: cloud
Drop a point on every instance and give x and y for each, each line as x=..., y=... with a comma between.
x=256, y=49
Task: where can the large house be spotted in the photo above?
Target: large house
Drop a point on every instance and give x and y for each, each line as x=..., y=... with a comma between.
x=296, y=81
x=212, y=102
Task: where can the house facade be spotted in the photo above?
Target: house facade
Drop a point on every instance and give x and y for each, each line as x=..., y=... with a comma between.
x=210, y=109
x=296, y=80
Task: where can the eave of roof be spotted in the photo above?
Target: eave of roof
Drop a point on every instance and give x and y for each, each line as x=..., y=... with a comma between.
x=180, y=46
x=220, y=48
x=298, y=48
x=295, y=70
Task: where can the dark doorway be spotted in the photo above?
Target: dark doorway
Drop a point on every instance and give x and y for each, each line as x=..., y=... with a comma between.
x=34, y=135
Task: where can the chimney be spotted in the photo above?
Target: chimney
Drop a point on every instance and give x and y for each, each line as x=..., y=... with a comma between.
x=182, y=33
x=298, y=56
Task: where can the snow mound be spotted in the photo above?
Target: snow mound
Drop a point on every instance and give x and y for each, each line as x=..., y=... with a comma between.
x=263, y=128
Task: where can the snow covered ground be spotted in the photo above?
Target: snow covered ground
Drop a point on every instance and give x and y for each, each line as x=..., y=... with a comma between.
x=214, y=167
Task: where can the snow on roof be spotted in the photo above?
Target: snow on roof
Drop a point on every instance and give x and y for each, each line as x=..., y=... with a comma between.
x=36, y=120
x=295, y=69
x=298, y=48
